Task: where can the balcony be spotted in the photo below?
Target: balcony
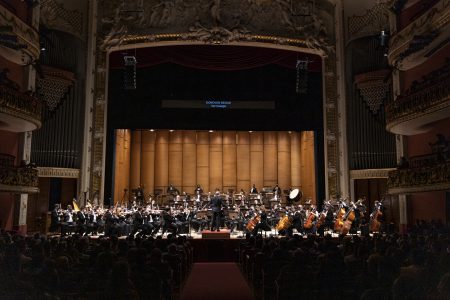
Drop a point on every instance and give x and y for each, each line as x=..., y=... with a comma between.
x=19, y=112
x=415, y=43
x=427, y=102
x=20, y=41
x=424, y=173
x=22, y=179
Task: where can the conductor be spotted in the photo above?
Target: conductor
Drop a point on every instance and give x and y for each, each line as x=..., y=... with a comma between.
x=216, y=207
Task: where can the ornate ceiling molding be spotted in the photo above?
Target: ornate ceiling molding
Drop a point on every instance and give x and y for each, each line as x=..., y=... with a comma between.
x=26, y=37
x=58, y=172
x=53, y=15
x=434, y=24
x=217, y=22
x=370, y=173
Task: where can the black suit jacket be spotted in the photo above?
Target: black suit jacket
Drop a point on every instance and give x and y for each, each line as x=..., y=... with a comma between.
x=216, y=204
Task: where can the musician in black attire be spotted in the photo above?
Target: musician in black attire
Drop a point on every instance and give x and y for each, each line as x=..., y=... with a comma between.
x=277, y=190
x=171, y=190
x=169, y=222
x=140, y=195
x=82, y=222
x=253, y=190
x=216, y=207
x=54, y=219
x=198, y=190
x=110, y=223
x=263, y=224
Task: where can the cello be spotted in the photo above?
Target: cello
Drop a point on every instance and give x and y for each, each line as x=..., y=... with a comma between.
x=323, y=214
x=339, y=222
x=253, y=222
x=375, y=217
x=310, y=219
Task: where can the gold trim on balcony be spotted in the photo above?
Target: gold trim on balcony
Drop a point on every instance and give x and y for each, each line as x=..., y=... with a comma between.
x=21, y=112
x=19, y=179
x=404, y=52
x=58, y=172
x=423, y=173
x=411, y=113
x=25, y=35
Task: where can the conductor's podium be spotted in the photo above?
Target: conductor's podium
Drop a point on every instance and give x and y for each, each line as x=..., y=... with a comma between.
x=223, y=234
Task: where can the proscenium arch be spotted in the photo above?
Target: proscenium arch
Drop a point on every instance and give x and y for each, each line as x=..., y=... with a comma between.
x=268, y=42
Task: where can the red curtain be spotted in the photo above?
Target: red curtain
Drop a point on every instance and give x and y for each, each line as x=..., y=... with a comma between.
x=215, y=58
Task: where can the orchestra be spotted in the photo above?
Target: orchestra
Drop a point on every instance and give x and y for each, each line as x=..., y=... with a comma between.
x=236, y=212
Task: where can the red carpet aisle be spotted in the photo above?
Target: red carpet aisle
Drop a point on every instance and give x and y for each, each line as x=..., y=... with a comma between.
x=216, y=281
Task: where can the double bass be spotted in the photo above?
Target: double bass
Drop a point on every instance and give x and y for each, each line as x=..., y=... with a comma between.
x=348, y=219
x=375, y=217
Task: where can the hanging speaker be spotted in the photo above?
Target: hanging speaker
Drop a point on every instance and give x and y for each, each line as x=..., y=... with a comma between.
x=129, y=73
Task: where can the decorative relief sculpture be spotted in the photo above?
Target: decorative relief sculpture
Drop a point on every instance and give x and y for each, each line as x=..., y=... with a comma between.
x=216, y=21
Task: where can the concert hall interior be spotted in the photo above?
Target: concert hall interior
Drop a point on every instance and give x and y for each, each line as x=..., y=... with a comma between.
x=293, y=148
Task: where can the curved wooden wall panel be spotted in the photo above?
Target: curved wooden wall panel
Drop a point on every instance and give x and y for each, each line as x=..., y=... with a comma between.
x=296, y=182
x=135, y=160
x=215, y=161
x=229, y=161
x=203, y=160
x=162, y=160
x=189, y=169
x=147, y=167
x=243, y=161
x=175, y=158
x=270, y=159
x=257, y=159
x=223, y=160
x=284, y=159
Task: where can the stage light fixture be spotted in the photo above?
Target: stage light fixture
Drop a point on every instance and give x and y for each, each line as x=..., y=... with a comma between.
x=129, y=72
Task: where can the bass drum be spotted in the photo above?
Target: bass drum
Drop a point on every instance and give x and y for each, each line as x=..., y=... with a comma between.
x=295, y=195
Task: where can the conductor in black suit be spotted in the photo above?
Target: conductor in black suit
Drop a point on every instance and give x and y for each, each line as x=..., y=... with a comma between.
x=216, y=207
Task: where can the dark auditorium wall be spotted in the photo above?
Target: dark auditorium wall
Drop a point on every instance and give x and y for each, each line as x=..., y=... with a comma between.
x=428, y=206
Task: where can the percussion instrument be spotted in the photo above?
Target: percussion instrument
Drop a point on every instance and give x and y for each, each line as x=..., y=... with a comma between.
x=295, y=195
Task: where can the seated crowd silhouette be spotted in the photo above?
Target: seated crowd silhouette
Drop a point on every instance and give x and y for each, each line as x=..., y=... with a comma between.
x=415, y=265
x=76, y=267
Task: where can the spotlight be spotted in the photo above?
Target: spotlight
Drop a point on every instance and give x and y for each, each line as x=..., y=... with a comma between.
x=211, y=131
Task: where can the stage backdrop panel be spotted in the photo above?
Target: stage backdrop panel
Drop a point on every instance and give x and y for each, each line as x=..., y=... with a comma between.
x=217, y=159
